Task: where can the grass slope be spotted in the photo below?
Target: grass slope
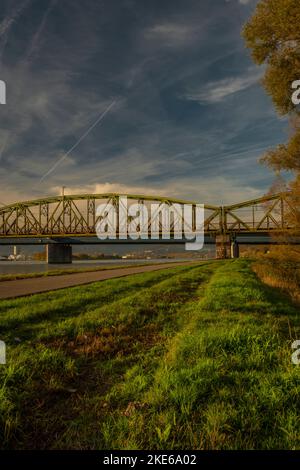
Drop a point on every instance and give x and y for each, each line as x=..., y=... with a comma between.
x=186, y=358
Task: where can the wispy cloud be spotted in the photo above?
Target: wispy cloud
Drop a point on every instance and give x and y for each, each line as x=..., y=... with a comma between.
x=4, y=143
x=155, y=143
x=218, y=90
x=214, y=190
x=35, y=42
x=98, y=120
x=171, y=33
x=7, y=23
x=242, y=2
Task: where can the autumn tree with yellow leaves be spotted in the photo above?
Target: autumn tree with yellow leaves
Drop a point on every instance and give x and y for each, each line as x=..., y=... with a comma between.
x=273, y=36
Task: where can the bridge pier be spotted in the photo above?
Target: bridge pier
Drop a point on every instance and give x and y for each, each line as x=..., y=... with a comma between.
x=58, y=253
x=223, y=246
x=226, y=247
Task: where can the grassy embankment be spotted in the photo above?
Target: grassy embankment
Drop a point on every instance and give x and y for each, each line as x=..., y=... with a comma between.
x=186, y=358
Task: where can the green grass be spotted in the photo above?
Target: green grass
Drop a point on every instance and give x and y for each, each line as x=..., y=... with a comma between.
x=195, y=357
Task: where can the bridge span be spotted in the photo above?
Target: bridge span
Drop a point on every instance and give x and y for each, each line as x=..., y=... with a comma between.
x=62, y=221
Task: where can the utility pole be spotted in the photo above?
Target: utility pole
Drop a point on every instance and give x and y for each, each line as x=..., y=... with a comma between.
x=63, y=205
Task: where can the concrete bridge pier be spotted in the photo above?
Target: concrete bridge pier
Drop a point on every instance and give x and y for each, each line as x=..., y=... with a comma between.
x=226, y=247
x=223, y=246
x=58, y=253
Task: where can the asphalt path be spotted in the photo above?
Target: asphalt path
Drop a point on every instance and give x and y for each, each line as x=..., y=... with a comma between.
x=29, y=286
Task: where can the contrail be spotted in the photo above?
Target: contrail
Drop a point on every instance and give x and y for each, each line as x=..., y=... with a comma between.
x=7, y=23
x=34, y=43
x=78, y=142
x=3, y=147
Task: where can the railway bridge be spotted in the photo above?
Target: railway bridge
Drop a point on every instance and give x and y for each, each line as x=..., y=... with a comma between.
x=62, y=221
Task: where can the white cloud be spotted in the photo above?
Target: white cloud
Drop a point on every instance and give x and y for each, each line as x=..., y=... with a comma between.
x=242, y=2
x=172, y=34
x=46, y=100
x=215, y=190
x=171, y=30
x=103, y=188
x=218, y=90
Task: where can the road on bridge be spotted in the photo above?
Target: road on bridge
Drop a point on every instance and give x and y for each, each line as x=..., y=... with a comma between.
x=23, y=287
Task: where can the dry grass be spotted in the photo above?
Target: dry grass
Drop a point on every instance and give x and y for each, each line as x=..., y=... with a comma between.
x=281, y=269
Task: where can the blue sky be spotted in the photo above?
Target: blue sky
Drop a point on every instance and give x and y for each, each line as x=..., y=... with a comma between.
x=164, y=90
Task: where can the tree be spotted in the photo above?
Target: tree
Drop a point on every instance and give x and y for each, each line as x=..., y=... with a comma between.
x=273, y=35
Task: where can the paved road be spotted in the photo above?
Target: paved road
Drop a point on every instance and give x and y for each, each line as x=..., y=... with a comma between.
x=22, y=287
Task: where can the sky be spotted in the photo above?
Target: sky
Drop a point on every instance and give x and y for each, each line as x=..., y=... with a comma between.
x=154, y=97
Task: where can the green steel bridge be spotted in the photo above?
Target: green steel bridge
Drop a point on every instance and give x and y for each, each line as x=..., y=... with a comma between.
x=62, y=221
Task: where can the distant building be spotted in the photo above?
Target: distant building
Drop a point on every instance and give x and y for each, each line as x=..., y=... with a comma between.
x=16, y=257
